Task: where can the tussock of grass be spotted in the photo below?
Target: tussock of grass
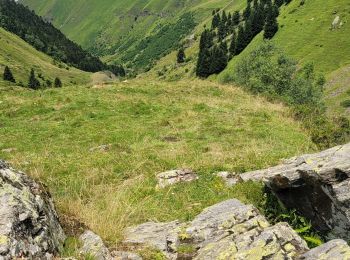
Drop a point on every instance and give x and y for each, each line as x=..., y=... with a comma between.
x=148, y=127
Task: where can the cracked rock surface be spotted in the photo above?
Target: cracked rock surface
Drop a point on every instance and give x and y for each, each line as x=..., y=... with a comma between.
x=29, y=225
x=230, y=230
x=317, y=185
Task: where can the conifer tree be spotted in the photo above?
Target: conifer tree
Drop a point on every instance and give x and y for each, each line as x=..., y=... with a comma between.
x=233, y=45
x=224, y=17
x=271, y=25
x=236, y=18
x=247, y=11
x=203, y=63
x=33, y=82
x=8, y=75
x=181, y=56
x=216, y=21
x=58, y=83
x=241, y=40
x=229, y=19
x=222, y=32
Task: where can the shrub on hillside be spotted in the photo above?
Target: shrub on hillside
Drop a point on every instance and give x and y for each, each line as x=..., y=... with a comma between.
x=58, y=83
x=269, y=71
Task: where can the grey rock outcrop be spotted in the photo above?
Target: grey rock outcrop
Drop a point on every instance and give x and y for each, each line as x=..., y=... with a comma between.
x=317, y=185
x=93, y=246
x=228, y=230
x=175, y=176
x=29, y=225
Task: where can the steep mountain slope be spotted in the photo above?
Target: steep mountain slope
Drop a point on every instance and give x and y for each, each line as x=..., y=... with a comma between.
x=18, y=19
x=21, y=57
x=134, y=32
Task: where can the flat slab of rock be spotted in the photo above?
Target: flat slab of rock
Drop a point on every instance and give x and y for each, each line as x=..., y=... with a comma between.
x=333, y=250
x=175, y=176
x=93, y=246
x=317, y=185
x=29, y=225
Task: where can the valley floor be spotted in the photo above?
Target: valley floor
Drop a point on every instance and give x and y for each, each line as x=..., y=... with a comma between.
x=98, y=149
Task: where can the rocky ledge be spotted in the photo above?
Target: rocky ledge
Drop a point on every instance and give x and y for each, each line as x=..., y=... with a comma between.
x=230, y=230
x=29, y=225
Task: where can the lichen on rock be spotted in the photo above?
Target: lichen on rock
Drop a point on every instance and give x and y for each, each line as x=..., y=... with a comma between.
x=29, y=224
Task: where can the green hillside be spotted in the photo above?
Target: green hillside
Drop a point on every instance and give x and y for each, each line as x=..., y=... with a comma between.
x=305, y=34
x=113, y=28
x=21, y=57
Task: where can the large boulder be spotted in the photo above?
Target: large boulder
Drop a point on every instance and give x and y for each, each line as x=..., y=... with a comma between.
x=317, y=185
x=29, y=225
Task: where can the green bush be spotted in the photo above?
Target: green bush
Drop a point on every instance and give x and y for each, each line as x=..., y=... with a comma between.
x=269, y=71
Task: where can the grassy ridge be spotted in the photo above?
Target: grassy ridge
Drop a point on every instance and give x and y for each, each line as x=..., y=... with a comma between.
x=150, y=127
x=21, y=57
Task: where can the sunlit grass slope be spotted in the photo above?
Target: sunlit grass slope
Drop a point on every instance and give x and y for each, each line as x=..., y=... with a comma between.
x=148, y=127
x=21, y=57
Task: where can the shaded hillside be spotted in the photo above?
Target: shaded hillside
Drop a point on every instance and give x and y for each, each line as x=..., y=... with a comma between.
x=16, y=18
x=21, y=57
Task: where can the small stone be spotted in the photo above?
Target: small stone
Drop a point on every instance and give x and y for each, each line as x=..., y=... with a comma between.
x=175, y=176
x=9, y=150
x=102, y=148
x=229, y=178
x=94, y=246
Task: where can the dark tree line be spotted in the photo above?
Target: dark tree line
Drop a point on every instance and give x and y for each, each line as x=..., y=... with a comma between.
x=42, y=35
x=230, y=33
x=33, y=81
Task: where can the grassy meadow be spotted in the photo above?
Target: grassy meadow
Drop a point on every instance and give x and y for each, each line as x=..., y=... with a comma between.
x=148, y=127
